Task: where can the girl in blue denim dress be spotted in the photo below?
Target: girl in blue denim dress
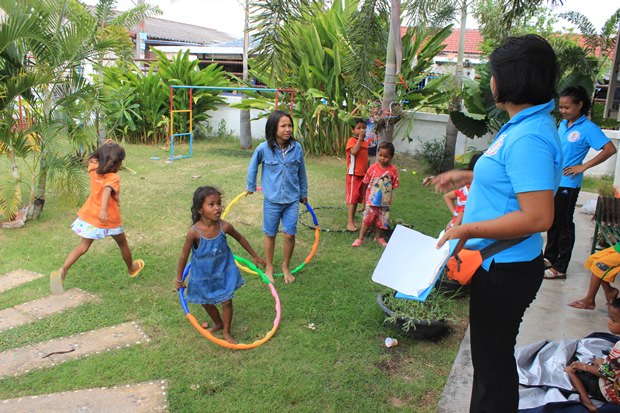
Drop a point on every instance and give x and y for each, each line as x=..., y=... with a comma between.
x=214, y=277
x=285, y=185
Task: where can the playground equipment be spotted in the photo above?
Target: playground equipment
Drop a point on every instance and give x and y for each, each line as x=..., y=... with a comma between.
x=207, y=334
x=317, y=236
x=173, y=135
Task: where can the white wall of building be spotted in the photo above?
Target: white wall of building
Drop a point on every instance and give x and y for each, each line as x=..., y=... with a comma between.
x=411, y=132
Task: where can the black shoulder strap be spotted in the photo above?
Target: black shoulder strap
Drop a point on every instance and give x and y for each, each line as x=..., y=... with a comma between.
x=499, y=246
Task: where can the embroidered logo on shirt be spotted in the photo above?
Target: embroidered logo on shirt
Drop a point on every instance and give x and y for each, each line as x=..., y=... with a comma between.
x=573, y=136
x=496, y=145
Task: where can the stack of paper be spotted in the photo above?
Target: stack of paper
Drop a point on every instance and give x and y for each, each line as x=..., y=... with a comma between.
x=411, y=263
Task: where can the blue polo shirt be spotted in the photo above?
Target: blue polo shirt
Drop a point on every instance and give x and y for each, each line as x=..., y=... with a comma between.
x=577, y=140
x=283, y=173
x=524, y=157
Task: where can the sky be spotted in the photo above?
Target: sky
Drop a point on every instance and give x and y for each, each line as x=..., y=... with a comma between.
x=227, y=15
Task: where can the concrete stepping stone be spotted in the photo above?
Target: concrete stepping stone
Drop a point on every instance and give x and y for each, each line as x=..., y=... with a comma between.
x=18, y=277
x=43, y=307
x=139, y=398
x=47, y=354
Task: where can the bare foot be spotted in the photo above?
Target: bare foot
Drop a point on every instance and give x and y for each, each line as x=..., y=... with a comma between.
x=269, y=273
x=582, y=304
x=205, y=325
x=216, y=328
x=288, y=276
x=611, y=295
x=228, y=337
x=351, y=227
x=591, y=407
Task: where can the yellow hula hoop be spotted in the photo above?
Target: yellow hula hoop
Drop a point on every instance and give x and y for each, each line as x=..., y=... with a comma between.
x=317, y=236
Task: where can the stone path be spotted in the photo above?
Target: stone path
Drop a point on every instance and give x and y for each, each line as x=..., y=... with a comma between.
x=44, y=307
x=21, y=360
x=18, y=277
x=140, y=398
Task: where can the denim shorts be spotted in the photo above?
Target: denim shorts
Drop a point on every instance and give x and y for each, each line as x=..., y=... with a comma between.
x=272, y=213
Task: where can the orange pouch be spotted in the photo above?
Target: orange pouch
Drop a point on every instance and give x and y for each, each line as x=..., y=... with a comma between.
x=463, y=266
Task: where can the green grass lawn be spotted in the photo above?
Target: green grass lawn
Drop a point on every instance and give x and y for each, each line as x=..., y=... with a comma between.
x=341, y=365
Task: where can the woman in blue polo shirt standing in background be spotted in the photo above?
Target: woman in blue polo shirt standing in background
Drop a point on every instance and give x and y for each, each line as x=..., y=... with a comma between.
x=511, y=196
x=578, y=134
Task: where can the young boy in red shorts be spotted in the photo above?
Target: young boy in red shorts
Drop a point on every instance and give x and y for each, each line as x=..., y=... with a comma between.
x=357, y=164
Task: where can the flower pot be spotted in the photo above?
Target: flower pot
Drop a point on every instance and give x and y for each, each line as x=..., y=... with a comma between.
x=448, y=286
x=424, y=329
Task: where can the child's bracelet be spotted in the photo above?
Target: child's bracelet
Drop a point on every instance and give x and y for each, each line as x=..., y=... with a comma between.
x=179, y=281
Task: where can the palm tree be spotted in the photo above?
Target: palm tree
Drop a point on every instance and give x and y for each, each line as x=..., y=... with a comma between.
x=45, y=44
x=599, y=43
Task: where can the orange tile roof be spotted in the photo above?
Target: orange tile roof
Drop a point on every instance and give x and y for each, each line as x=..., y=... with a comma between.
x=473, y=38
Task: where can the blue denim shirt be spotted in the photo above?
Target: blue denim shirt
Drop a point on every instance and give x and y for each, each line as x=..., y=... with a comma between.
x=283, y=176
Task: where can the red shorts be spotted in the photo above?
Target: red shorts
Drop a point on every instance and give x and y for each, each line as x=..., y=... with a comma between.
x=379, y=216
x=355, y=189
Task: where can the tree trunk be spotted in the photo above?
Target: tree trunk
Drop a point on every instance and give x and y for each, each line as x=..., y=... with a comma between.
x=392, y=67
x=455, y=102
x=245, y=128
x=35, y=209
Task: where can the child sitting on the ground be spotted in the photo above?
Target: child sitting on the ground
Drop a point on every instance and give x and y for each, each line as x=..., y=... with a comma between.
x=604, y=266
x=382, y=179
x=601, y=379
x=357, y=164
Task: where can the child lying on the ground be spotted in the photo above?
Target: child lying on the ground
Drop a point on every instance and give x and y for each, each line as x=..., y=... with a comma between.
x=604, y=266
x=601, y=379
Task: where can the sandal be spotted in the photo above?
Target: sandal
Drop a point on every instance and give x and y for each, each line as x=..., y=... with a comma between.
x=357, y=243
x=581, y=305
x=381, y=242
x=57, y=282
x=551, y=274
x=140, y=264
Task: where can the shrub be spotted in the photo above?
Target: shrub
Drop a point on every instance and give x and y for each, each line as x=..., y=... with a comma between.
x=433, y=154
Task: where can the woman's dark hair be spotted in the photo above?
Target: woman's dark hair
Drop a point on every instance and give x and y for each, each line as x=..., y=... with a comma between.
x=387, y=145
x=578, y=94
x=525, y=70
x=200, y=194
x=109, y=155
x=473, y=160
x=271, y=128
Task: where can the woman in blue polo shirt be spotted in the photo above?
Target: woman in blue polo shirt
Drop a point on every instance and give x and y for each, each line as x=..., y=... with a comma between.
x=578, y=134
x=511, y=196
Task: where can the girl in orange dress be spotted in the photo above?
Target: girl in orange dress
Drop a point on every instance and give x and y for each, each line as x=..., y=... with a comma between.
x=100, y=216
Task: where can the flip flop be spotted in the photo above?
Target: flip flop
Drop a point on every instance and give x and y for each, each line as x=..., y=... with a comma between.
x=140, y=264
x=357, y=243
x=581, y=305
x=550, y=275
x=57, y=282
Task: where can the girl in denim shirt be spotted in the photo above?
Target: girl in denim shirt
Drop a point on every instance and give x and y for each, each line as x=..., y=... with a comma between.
x=284, y=184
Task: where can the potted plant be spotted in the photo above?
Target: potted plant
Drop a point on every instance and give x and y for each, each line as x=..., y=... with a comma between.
x=420, y=319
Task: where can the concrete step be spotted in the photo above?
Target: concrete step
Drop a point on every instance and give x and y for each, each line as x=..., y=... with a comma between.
x=47, y=354
x=18, y=277
x=44, y=307
x=147, y=397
